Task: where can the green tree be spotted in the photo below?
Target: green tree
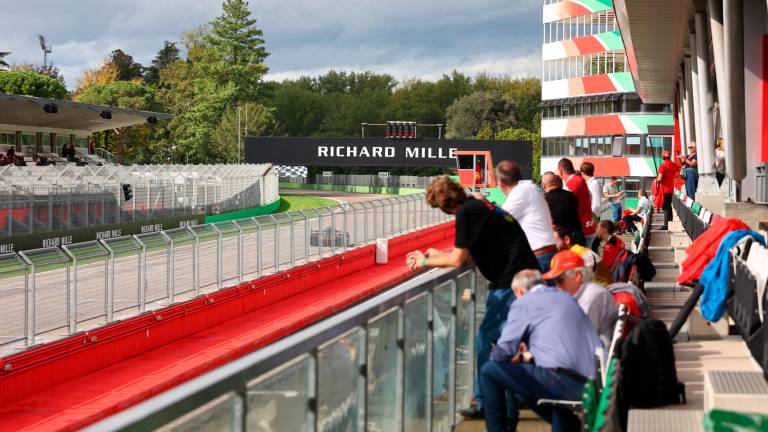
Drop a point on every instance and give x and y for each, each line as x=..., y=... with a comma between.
x=123, y=94
x=518, y=134
x=31, y=84
x=127, y=68
x=469, y=114
x=255, y=120
x=168, y=54
x=48, y=70
x=3, y=63
x=525, y=93
x=237, y=51
x=299, y=110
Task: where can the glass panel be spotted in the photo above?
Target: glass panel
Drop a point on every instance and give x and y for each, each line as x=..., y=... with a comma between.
x=221, y=414
x=340, y=389
x=465, y=313
x=633, y=146
x=384, y=378
x=276, y=400
x=416, y=339
x=441, y=356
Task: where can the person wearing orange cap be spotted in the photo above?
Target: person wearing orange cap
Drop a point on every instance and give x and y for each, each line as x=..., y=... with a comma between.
x=569, y=273
x=666, y=176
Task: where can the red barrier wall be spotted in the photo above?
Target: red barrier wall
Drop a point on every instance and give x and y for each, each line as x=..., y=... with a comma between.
x=36, y=373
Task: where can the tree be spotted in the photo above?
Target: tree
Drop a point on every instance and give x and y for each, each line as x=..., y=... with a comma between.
x=525, y=93
x=105, y=73
x=127, y=68
x=255, y=119
x=517, y=134
x=235, y=52
x=123, y=94
x=31, y=84
x=48, y=70
x=168, y=54
x=3, y=63
x=469, y=114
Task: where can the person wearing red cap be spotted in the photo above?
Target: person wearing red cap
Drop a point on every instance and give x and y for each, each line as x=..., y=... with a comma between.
x=666, y=176
x=569, y=273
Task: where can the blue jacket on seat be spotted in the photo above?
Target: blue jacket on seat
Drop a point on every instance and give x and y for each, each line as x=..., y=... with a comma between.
x=715, y=276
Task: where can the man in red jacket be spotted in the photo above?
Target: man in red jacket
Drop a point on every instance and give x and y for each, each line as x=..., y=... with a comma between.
x=666, y=176
x=575, y=183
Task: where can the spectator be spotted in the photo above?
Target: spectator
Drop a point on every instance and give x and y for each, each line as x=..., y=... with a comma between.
x=601, y=273
x=576, y=184
x=690, y=171
x=528, y=206
x=91, y=145
x=10, y=157
x=666, y=176
x=546, y=351
x=42, y=161
x=607, y=245
x=640, y=213
x=491, y=238
x=595, y=195
x=571, y=276
x=613, y=195
x=719, y=162
x=563, y=206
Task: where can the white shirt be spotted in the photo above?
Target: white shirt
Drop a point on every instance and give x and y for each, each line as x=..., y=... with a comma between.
x=595, y=195
x=526, y=204
x=598, y=303
x=644, y=205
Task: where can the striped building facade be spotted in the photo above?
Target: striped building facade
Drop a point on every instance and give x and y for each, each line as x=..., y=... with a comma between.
x=590, y=110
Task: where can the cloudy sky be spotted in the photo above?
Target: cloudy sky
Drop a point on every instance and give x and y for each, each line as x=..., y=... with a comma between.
x=406, y=38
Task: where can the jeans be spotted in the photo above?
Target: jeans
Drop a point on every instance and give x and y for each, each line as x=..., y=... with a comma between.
x=667, y=207
x=496, y=311
x=527, y=383
x=544, y=260
x=616, y=211
x=691, y=182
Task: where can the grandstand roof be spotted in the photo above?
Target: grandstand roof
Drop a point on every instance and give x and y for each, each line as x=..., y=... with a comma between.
x=34, y=112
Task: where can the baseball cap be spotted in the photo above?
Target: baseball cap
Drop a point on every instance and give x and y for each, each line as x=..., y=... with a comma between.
x=665, y=154
x=562, y=262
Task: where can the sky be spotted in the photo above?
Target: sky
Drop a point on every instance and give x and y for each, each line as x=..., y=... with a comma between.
x=405, y=38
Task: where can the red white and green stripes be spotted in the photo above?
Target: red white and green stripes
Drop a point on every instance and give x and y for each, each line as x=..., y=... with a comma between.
x=619, y=82
x=615, y=124
x=608, y=166
x=602, y=42
x=572, y=8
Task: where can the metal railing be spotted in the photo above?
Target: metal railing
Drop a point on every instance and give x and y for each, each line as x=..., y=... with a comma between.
x=42, y=199
x=404, y=181
x=54, y=292
x=400, y=361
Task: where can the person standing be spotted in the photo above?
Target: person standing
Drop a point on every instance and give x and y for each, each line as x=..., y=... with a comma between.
x=494, y=240
x=528, y=206
x=595, y=194
x=546, y=351
x=613, y=195
x=719, y=162
x=576, y=184
x=690, y=171
x=563, y=206
x=666, y=176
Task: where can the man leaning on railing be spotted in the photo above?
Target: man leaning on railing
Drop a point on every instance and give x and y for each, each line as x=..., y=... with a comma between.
x=494, y=240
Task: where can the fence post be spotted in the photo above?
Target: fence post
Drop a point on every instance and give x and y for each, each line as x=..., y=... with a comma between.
x=170, y=277
x=345, y=233
x=143, y=271
x=29, y=303
x=240, y=251
x=319, y=232
x=306, y=235
x=71, y=292
x=218, y=255
x=276, y=237
x=111, y=284
x=292, y=232
x=333, y=230
x=195, y=260
x=258, y=246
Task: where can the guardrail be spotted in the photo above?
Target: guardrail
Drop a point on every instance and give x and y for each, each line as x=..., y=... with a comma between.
x=53, y=292
x=694, y=218
x=403, y=360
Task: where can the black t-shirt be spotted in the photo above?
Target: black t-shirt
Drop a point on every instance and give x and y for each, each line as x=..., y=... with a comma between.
x=564, y=208
x=495, y=240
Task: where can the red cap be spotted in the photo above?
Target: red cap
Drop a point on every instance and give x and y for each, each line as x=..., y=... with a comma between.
x=562, y=262
x=665, y=154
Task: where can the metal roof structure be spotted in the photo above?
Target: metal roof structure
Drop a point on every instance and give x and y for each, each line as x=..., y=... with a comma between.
x=58, y=115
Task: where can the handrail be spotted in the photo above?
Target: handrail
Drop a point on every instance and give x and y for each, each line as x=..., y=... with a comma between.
x=232, y=378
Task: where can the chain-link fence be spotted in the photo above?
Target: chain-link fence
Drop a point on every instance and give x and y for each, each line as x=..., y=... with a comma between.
x=41, y=199
x=54, y=292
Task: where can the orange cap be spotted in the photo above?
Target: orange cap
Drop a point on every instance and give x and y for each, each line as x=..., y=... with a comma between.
x=563, y=261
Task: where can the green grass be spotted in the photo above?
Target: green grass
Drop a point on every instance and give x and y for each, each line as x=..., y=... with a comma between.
x=301, y=202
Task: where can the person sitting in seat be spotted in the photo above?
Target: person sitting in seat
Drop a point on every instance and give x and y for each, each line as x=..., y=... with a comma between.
x=640, y=213
x=607, y=245
x=601, y=273
x=571, y=276
x=546, y=351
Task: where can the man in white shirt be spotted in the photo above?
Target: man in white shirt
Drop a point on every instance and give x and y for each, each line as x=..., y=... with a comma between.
x=595, y=194
x=526, y=204
x=613, y=195
x=596, y=301
x=638, y=214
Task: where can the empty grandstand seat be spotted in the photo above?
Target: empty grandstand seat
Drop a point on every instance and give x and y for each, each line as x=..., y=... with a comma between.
x=746, y=308
x=696, y=208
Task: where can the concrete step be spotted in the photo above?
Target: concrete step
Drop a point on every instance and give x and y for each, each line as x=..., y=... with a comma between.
x=665, y=265
x=663, y=248
x=664, y=420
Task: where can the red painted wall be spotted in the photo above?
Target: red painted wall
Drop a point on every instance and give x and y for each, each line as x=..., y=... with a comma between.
x=764, y=140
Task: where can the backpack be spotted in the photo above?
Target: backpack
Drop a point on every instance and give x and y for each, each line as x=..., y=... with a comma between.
x=627, y=265
x=649, y=376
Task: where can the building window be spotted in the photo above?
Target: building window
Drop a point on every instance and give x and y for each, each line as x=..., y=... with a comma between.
x=580, y=26
x=633, y=146
x=581, y=66
x=654, y=145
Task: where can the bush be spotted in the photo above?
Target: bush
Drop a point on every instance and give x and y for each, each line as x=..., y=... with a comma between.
x=31, y=84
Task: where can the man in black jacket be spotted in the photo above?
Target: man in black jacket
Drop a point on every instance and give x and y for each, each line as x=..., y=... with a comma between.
x=563, y=206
